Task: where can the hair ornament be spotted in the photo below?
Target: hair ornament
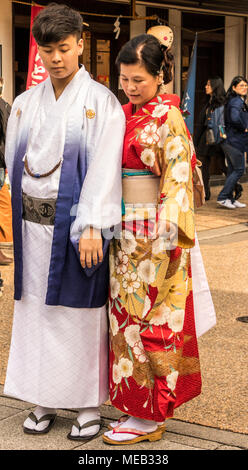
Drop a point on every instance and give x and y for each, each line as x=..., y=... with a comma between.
x=164, y=34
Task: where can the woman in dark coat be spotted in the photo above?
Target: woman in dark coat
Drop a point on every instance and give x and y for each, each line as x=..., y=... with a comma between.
x=215, y=99
x=236, y=120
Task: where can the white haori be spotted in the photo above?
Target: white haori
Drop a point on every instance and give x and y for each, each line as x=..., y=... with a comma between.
x=58, y=355
x=204, y=311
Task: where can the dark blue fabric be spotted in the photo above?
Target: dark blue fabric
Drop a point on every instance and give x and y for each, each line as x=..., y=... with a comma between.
x=236, y=120
x=81, y=288
x=236, y=168
x=16, y=200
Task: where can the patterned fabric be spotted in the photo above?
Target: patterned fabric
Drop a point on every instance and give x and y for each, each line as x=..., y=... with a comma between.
x=154, y=363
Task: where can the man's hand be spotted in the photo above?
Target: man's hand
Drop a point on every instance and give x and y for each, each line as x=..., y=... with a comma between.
x=90, y=247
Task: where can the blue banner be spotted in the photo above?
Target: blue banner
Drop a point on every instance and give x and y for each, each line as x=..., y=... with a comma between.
x=188, y=101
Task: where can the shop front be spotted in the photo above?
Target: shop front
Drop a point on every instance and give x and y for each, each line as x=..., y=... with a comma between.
x=221, y=27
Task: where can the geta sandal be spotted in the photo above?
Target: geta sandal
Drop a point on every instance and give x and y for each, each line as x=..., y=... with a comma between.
x=49, y=417
x=84, y=426
x=142, y=436
x=122, y=419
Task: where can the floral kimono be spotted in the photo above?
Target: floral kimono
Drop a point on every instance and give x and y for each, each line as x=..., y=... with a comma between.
x=154, y=362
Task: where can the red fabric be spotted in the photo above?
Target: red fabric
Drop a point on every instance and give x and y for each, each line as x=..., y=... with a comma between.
x=36, y=70
x=131, y=149
x=153, y=398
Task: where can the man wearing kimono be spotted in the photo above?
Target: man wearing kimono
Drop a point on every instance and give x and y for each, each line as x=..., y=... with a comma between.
x=63, y=153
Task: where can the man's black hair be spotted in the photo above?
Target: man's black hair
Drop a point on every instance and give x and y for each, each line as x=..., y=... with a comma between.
x=56, y=22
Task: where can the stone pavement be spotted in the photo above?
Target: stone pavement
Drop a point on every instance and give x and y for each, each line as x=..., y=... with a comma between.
x=217, y=419
x=179, y=435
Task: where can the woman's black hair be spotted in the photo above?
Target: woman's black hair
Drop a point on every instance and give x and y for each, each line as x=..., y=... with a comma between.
x=235, y=81
x=218, y=95
x=55, y=22
x=147, y=50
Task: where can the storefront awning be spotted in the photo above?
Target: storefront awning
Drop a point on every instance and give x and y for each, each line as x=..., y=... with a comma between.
x=224, y=7
x=230, y=7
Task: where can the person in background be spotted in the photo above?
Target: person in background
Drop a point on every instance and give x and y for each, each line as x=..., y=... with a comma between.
x=6, y=236
x=236, y=144
x=215, y=93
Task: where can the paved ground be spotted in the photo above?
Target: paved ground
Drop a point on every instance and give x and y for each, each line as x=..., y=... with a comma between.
x=217, y=419
x=180, y=435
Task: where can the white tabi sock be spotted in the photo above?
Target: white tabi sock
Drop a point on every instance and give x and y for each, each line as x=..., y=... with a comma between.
x=137, y=424
x=39, y=412
x=84, y=416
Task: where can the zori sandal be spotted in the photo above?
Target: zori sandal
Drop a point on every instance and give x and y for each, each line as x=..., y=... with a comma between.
x=124, y=418
x=50, y=417
x=84, y=426
x=141, y=436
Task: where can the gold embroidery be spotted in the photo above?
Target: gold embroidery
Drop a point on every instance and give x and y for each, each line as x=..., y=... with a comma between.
x=90, y=113
x=18, y=112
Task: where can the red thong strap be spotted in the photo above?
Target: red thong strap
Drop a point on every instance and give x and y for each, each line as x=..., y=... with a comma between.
x=136, y=432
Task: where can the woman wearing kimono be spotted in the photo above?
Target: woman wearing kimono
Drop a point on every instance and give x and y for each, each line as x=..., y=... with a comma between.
x=154, y=362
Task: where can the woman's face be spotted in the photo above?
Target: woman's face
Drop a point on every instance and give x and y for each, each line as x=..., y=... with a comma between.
x=138, y=84
x=241, y=88
x=208, y=88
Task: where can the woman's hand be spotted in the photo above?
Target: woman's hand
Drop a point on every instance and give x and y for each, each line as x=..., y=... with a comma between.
x=166, y=230
x=90, y=247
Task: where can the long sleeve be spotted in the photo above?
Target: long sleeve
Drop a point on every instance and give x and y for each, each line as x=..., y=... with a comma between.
x=235, y=116
x=176, y=181
x=12, y=137
x=100, y=199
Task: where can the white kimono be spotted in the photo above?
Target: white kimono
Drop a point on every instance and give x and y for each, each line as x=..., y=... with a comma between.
x=59, y=355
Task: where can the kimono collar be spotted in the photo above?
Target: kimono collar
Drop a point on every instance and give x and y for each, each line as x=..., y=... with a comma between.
x=144, y=113
x=172, y=100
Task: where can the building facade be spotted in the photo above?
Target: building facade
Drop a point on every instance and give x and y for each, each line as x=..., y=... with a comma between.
x=221, y=26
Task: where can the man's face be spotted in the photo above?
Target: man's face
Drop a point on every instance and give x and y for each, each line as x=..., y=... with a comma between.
x=61, y=58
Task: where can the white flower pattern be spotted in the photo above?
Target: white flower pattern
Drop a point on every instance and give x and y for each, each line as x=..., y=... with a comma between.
x=160, y=110
x=163, y=132
x=172, y=380
x=147, y=306
x=161, y=316
x=114, y=287
x=132, y=334
x=148, y=157
x=176, y=320
x=149, y=135
x=121, y=262
x=146, y=271
x=125, y=367
x=130, y=282
x=180, y=172
x=113, y=324
x=174, y=148
x=128, y=242
x=139, y=352
x=116, y=374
